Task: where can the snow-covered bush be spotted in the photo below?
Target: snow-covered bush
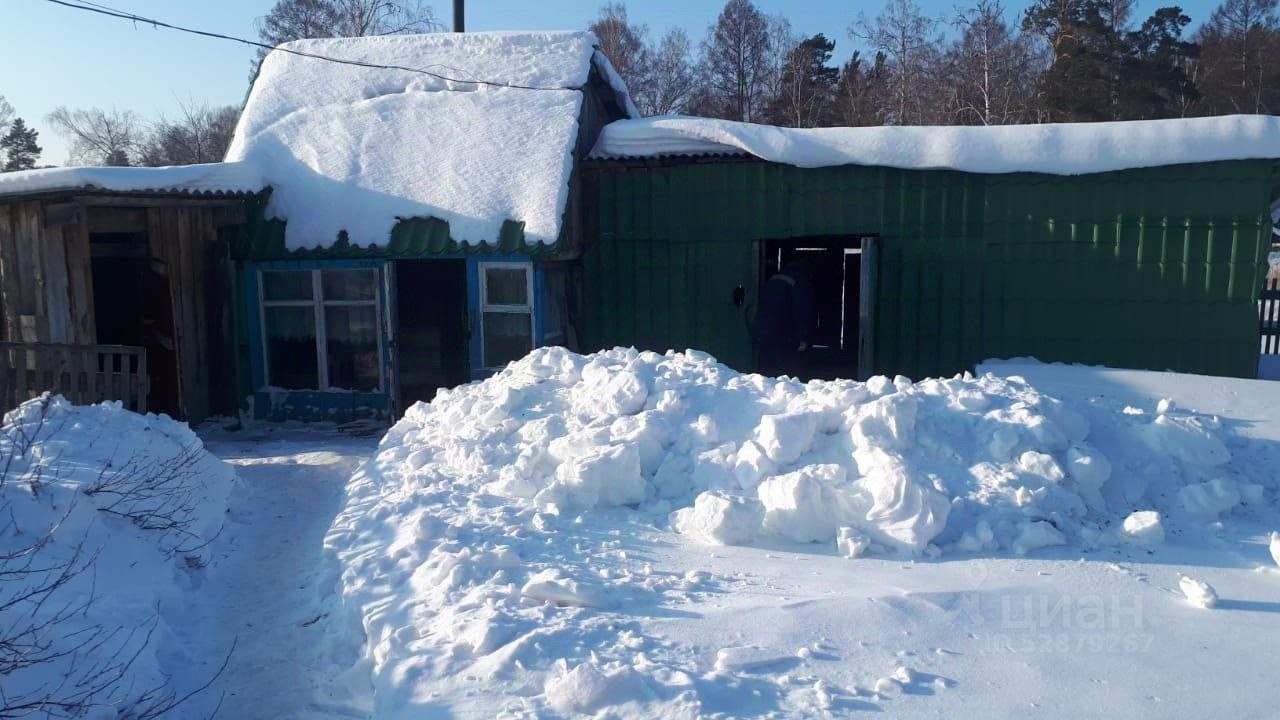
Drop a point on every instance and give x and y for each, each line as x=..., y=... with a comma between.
x=102, y=513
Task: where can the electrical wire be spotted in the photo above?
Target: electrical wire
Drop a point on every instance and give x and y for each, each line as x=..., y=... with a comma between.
x=93, y=7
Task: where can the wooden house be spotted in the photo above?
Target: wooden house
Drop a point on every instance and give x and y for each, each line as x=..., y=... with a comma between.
x=114, y=285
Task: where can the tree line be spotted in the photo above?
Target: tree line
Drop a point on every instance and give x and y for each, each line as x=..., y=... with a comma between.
x=1057, y=61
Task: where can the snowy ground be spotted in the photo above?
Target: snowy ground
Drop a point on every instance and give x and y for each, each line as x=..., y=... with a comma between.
x=268, y=588
x=524, y=592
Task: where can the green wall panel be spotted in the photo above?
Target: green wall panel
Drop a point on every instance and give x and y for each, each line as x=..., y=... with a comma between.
x=1151, y=268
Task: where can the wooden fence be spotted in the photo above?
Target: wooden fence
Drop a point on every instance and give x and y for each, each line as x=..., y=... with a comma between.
x=1269, y=317
x=82, y=373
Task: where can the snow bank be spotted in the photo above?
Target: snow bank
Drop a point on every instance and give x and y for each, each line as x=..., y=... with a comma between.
x=356, y=148
x=209, y=178
x=105, y=516
x=1058, y=149
x=484, y=539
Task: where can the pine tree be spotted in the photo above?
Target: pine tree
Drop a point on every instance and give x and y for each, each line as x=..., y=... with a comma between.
x=807, y=85
x=20, y=147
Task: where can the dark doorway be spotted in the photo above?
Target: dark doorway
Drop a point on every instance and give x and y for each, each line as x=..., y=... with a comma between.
x=432, y=342
x=833, y=267
x=132, y=306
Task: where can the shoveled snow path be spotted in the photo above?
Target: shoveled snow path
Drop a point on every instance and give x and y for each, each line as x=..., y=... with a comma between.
x=267, y=586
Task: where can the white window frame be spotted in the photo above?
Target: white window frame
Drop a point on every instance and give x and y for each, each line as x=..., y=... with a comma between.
x=318, y=304
x=486, y=307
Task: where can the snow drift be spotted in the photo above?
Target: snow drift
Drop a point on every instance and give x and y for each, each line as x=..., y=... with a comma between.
x=104, y=519
x=461, y=545
x=1053, y=148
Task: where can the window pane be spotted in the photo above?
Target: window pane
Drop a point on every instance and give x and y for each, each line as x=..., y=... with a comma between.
x=507, y=337
x=286, y=285
x=351, y=332
x=349, y=284
x=291, y=347
x=506, y=286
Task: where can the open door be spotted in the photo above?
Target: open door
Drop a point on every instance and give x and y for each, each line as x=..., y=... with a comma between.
x=431, y=342
x=133, y=305
x=835, y=270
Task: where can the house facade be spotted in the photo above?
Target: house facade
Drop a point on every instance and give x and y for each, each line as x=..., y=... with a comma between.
x=428, y=208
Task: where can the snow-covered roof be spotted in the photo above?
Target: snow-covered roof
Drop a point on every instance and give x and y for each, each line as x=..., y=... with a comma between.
x=1058, y=149
x=213, y=178
x=488, y=138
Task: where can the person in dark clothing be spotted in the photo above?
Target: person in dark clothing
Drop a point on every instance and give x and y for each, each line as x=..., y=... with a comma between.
x=784, y=323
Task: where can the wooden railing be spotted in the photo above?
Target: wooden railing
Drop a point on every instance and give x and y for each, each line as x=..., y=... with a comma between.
x=1269, y=317
x=82, y=373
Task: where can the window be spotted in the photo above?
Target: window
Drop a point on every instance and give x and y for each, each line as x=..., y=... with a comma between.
x=506, y=312
x=320, y=329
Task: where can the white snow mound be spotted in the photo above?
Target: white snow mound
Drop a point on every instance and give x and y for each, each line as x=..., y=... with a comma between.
x=126, y=505
x=477, y=541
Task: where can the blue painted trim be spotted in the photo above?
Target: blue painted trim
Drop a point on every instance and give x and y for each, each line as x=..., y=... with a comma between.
x=475, y=342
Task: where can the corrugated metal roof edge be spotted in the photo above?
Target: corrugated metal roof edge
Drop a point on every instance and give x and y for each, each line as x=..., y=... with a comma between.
x=94, y=190
x=416, y=237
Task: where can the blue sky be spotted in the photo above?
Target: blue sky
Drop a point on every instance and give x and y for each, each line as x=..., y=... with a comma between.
x=57, y=56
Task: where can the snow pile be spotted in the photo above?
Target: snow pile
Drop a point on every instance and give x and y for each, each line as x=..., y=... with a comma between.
x=208, y=178
x=105, y=517
x=474, y=129
x=1058, y=149
x=484, y=540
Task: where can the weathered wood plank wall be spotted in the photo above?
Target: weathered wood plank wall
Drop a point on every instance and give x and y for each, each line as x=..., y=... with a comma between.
x=46, y=283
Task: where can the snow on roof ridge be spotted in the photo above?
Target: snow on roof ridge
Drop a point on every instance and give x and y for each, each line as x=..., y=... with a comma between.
x=232, y=177
x=354, y=149
x=1052, y=148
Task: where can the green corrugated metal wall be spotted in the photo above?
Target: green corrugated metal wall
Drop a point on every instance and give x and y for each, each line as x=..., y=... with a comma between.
x=1153, y=268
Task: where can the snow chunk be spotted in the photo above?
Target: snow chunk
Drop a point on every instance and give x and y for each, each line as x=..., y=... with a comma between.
x=720, y=519
x=850, y=543
x=1198, y=592
x=799, y=505
x=786, y=437
x=1145, y=527
x=608, y=475
x=1036, y=535
x=552, y=586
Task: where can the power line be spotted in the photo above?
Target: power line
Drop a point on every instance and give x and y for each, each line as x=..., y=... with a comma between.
x=93, y=7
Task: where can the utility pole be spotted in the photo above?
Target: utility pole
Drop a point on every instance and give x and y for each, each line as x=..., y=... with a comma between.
x=459, y=23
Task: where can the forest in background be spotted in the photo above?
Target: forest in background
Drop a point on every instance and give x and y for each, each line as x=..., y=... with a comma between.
x=1055, y=61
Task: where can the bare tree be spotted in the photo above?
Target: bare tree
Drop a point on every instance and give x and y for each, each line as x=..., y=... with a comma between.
x=97, y=136
x=200, y=135
x=736, y=61
x=6, y=114
x=910, y=43
x=301, y=19
x=1236, y=70
x=625, y=45
x=671, y=76
x=362, y=18
x=992, y=66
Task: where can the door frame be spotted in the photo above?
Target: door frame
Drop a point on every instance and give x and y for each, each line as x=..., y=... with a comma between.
x=868, y=244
